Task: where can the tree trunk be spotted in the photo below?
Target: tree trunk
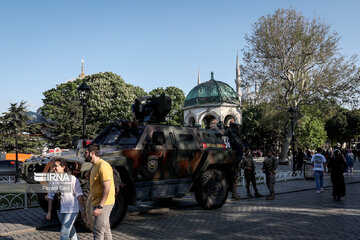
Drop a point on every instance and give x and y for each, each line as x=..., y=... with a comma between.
x=286, y=143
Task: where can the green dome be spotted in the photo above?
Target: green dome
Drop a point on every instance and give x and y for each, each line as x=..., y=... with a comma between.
x=211, y=91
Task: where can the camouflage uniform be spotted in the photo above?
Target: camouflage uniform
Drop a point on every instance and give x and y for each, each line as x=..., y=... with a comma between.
x=269, y=166
x=247, y=163
x=235, y=141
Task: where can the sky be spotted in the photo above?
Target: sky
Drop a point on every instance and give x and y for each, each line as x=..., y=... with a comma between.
x=149, y=43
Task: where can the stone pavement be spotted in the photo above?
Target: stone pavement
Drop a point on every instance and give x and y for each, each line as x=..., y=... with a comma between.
x=296, y=213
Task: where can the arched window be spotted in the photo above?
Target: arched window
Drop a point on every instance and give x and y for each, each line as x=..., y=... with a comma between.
x=207, y=120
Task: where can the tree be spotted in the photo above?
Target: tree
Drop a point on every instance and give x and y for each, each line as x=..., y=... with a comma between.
x=353, y=125
x=176, y=115
x=344, y=126
x=310, y=132
x=262, y=125
x=13, y=123
x=110, y=100
x=297, y=60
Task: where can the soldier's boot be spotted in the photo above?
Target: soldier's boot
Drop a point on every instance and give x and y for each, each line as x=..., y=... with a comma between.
x=257, y=194
x=248, y=191
x=271, y=196
x=235, y=195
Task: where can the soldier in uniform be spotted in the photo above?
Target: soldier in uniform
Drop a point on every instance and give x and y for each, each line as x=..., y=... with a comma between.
x=247, y=163
x=233, y=133
x=269, y=168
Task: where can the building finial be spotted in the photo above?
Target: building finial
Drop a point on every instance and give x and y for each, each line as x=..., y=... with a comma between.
x=237, y=65
x=212, y=76
x=82, y=74
x=238, y=77
x=199, y=76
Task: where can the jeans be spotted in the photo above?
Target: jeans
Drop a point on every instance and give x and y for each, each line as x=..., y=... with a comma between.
x=319, y=179
x=101, y=227
x=67, y=225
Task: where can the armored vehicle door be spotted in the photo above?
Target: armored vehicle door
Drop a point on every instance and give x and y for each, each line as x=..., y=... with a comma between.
x=188, y=151
x=156, y=152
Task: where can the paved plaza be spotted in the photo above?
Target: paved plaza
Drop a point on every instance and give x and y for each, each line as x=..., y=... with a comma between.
x=296, y=213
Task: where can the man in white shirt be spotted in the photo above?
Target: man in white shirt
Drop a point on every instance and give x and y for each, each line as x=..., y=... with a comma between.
x=319, y=164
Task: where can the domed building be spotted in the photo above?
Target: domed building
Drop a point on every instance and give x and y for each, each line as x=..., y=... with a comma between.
x=213, y=101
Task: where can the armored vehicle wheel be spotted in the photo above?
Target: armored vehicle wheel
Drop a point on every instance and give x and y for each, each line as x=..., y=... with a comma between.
x=116, y=216
x=211, y=190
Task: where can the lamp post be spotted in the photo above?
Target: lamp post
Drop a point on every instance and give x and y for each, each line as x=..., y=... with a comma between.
x=84, y=91
x=291, y=112
x=16, y=155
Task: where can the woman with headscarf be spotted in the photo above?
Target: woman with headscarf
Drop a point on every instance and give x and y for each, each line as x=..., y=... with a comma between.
x=336, y=166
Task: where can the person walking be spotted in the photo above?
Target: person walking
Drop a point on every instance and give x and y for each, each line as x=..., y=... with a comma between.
x=269, y=168
x=233, y=133
x=350, y=162
x=336, y=167
x=247, y=163
x=69, y=191
x=319, y=164
x=102, y=189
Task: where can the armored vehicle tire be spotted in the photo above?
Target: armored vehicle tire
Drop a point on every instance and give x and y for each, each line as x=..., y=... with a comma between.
x=211, y=189
x=116, y=216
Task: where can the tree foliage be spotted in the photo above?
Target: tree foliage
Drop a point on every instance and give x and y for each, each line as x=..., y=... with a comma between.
x=310, y=132
x=15, y=122
x=110, y=100
x=176, y=115
x=296, y=60
x=344, y=126
x=262, y=125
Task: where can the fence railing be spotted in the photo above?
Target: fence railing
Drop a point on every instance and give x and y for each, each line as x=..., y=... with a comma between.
x=9, y=201
x=7, y=179
x=280, y=176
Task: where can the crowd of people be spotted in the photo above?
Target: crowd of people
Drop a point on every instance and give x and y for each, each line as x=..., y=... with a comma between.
x=337, y=162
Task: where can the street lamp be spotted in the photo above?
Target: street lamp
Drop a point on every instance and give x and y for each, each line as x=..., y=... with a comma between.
x=16, y=152
x=84, y=92
x=292, y=112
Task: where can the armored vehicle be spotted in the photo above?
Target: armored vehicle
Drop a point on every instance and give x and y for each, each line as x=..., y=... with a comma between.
x=153, y=160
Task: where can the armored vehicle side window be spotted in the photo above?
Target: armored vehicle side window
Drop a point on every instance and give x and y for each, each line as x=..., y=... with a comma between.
x=206, y=137
x=219, y=138
x=187, y=142
x=186, y=138
x=158, y=138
